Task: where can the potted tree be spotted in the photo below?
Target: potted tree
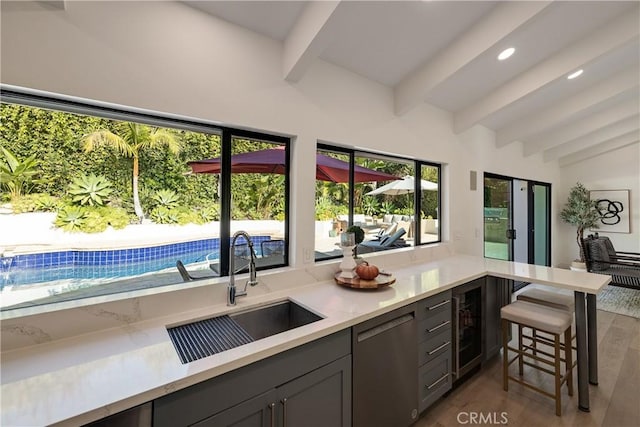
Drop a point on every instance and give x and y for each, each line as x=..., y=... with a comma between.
x=359, y=236
x=580, y=212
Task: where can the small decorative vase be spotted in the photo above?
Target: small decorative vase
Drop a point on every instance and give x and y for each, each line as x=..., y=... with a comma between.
x=348, y=264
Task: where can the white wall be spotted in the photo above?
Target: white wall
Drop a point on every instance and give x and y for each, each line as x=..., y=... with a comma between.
x=168, y=57
x=616, y=170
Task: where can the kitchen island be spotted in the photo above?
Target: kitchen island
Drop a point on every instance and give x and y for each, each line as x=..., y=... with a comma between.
x=85, y=376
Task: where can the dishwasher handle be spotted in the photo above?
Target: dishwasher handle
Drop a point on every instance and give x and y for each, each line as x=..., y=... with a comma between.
x=377, y=330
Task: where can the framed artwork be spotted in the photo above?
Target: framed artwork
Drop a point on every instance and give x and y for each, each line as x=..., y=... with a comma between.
x=613, y=206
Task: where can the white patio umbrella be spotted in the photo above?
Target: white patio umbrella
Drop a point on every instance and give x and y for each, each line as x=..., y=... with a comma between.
x=403, y=186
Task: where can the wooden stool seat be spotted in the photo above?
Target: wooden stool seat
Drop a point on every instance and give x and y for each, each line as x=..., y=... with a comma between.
x=539, y=318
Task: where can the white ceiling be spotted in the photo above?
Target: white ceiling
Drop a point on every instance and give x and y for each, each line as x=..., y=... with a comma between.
x=444, y=53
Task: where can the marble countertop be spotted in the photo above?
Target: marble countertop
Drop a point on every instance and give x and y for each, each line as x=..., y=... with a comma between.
x=82, y=378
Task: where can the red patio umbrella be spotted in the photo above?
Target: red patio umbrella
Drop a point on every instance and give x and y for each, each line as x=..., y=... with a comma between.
x=272, y=161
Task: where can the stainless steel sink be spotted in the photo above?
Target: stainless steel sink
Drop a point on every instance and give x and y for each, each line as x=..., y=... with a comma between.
x=273, y=319
x=203, y=338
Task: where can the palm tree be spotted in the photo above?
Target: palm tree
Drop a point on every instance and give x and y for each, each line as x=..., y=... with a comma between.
x=130, y=140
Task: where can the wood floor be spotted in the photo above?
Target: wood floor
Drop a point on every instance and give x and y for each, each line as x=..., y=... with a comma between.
x=615, y=402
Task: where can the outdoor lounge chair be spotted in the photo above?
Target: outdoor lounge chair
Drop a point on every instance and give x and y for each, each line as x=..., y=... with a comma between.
x=186, y=276
x=388, y=242
x=270, y=248
x=602, y=258
x=385, y=231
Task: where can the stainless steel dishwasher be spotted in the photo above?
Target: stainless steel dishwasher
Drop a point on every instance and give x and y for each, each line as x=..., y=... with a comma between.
x=385, y=370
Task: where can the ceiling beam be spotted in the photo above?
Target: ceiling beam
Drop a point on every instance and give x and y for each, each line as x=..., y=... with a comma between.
x=579, y=128
x=614, y=130
x=505, y=18
x=547, y=118
x=307, y=39
x=617, y=33
x=602, y=148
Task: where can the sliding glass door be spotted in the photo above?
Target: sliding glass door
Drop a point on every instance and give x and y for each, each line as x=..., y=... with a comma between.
x=540, y=229
x=498, y=221
x=517, y=220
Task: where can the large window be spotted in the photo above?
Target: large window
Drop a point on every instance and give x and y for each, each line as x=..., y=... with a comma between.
x=394, y=201
x=97, y=200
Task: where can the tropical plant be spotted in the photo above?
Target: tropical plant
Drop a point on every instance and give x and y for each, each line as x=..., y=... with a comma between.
x=370, y=205
x=130, y=140
x=71, y=218
x=167, y=198
x=208, y=214
x=164, y=215
x=580, y=211
x=325, y=210
x=387, y=207
x=18, y=176
x=90, y=190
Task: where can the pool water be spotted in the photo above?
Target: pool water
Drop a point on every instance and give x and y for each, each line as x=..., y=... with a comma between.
x=41, y=268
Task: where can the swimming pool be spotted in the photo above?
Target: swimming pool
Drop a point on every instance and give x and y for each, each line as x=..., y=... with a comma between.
x=26, y=269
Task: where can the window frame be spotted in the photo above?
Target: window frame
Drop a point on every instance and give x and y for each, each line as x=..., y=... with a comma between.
x=68, y=104
x=417, y=202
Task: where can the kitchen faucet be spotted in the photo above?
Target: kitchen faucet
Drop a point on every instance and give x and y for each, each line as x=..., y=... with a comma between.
x=232, y=293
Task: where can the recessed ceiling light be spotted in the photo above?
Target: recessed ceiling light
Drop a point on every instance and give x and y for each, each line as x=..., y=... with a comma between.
x=506, y=53
x=575, y=74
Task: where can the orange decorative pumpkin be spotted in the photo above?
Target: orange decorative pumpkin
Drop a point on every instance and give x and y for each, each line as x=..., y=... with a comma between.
x=366, y=271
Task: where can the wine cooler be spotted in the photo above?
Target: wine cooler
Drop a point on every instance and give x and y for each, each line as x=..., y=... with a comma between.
x=468, y=327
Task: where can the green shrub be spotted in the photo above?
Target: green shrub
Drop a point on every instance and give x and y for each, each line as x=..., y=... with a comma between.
x=118, y=218
x=90, y=190
x=18, y=176
x=71, y=218
x=35, y=203
x=164, y=215
x=93, y=222
x=24, y=204
x=167, y=198
x=209, y=213
x=46, y=203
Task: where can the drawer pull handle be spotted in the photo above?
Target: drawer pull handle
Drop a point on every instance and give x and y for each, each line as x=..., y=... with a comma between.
x=435, y=350
x=444, y=377
x=272, y=406
x=435, y=328
x=284, y=412
x=433, y=307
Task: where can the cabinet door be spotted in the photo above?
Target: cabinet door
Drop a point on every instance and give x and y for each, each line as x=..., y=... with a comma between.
x=256, y=412
x=498, y=294
x=320, y=398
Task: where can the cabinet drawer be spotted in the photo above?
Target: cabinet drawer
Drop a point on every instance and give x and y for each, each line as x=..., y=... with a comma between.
x=435, y=347
x=434, y=325
x=435, y=304
x=434, y=379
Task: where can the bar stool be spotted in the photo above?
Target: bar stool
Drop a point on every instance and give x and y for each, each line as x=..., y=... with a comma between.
x=539, y=318
x=549, y=299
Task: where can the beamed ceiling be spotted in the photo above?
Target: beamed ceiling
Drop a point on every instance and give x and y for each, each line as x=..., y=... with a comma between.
x=445, y=53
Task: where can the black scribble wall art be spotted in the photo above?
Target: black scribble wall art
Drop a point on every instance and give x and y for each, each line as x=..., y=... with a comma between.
x=613, y=207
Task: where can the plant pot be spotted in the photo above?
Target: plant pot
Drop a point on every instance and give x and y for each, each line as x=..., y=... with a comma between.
x=578, y=266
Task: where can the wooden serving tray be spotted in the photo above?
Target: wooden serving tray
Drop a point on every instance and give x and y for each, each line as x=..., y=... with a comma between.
x=381, y=281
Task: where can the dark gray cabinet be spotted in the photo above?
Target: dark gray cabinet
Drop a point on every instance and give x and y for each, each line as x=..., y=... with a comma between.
x=497, y=294
x=259, y=411
x=435, y=342
x=306, y=386
x=318, y=399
